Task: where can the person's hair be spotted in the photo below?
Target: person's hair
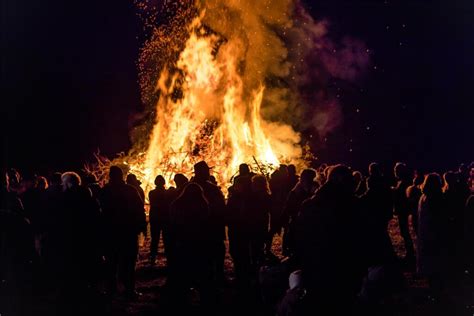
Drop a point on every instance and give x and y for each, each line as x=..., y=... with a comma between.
x=341, y=176
x=42, y=183
x=180, y=179
x=14, y=176
x=131, y=178
x=292, y=169
x=450, y=180
x=115, y=174
x=401, y=171
x=375, y=170
x=244, y=169
x=419, y=178
x=357, y=174
x=260, y=184
x=160, y=181
x=432, y=185
x=71, y=177
x=283, y=170
x=4, y=179
x=308, y=175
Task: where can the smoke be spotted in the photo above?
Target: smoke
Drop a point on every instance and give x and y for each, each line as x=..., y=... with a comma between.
x=280, y=46
x=293, y=55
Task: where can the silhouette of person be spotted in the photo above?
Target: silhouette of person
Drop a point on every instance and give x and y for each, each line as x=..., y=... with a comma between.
x=468, y=250
x=160, y=201
x=238, y=205
x=190, y=223
x=244, y=171
x=75, y=254
x=215, y=198
x=16, y=251
x=376, y=205
x=293, y=177
x=360, y=183
x=431, y=226
x=41, y=183
x=124, y=218
x=91, y=182
x=258, y=217
x=31, y=197
x=328, y=245
x=134, y=182
x=303, y=190
x=413, y=195
x=14, y=181
x=279, y=188
x=51, y=201
x=180, y=180
x=401, y=207
x=455, y=201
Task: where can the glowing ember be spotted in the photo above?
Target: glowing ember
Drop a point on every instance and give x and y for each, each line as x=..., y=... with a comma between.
x=223, y=81
x=204, y=112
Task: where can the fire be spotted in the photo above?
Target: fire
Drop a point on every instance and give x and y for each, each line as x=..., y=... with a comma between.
x=206, y=112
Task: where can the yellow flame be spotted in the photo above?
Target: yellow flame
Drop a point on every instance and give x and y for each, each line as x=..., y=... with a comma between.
x=211, y=119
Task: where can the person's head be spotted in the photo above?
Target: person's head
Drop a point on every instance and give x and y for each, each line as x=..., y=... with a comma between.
x=29, y=181
x=375, y=170
x=89, y=179
x=450, y=180
x=14, y=176
x=340, y=176
x=418, y=179
x=42, y=183
x=358, y=177
x=115, y=174
x=70, y=180
x=401, y=171
x=307, y=177
x=213, y=180
x=283, y=170
x=56, y=179
x=132, y=179
x=292, y=170
x=240, y=185
x=202, y=171
x=244, y=169
x=432, y=185
x=260, y=184
x=5, y=179
x=160, y=181
x=180, y=180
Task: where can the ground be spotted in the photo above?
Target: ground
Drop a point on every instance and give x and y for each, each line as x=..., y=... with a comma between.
x=413, y=300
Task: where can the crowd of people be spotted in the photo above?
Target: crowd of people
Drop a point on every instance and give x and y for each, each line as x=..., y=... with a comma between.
x=78, y=236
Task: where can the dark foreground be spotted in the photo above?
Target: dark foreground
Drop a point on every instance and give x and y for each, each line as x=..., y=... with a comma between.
x=413, y=299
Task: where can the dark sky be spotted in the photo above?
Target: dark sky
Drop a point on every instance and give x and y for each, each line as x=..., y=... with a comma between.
x=69, y=81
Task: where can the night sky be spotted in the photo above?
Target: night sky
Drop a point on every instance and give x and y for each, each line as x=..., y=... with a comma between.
x=69, y=82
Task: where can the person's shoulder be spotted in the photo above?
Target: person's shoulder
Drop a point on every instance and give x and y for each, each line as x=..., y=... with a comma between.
x=212, y=187
x=129, y=189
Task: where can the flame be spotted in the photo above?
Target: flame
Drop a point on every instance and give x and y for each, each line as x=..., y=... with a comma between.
x=204, y=112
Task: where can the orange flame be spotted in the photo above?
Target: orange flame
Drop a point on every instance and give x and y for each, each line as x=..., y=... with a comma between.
x=204, y=113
